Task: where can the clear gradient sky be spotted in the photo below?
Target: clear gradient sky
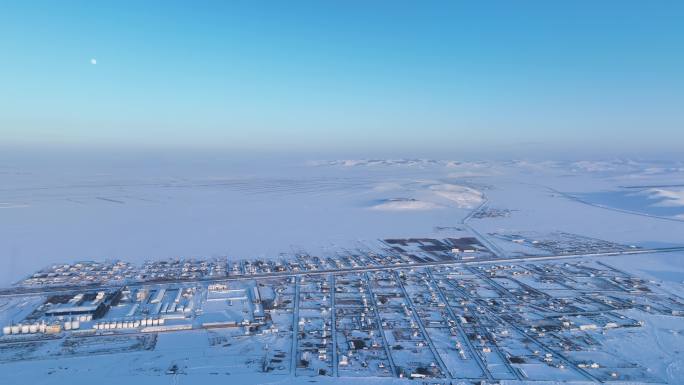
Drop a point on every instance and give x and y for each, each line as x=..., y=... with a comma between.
x=343, y=74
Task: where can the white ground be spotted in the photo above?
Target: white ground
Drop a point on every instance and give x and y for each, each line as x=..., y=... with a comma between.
x=142, y=210
x=97, y=211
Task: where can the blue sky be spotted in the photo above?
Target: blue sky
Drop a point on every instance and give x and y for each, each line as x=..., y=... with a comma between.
x=339, y=75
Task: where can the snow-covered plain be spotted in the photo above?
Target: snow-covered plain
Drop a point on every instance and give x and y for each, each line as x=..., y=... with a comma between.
x=144, y=212
x=105, y=210
x=138, y=211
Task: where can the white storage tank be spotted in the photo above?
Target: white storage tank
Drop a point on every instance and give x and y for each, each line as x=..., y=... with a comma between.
x=6, y=330
x=42, y=327
x=25, y=329
x=16, y=329
x=75, y=324
x=33, y=328
x=67, y=325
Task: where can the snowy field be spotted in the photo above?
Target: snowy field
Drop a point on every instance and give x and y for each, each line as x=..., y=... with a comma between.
x=136, y=211
x=146, y=211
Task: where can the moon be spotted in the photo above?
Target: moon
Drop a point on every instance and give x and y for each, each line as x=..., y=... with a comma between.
x=93, y=61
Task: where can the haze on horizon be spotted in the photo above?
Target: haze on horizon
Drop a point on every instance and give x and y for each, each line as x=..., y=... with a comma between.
x=344, y=76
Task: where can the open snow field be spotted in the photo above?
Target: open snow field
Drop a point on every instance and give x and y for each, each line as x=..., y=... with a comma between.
x=135, y=211
x=240, y=211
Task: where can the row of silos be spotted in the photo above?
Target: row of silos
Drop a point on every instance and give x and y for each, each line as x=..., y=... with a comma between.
x=44, y=328
x=112, y=325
